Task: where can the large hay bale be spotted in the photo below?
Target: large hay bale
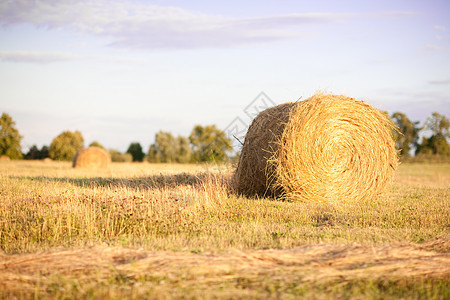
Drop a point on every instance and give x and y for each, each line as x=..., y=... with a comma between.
x=325, y=148
x=92, y=157
x=4, y=158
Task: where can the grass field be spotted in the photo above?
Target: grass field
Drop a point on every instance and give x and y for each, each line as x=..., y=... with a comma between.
x=175, y=231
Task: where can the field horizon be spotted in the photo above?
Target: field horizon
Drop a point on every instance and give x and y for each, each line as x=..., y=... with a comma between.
x=161, y=231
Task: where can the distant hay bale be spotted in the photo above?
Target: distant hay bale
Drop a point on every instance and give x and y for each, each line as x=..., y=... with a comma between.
x=4, y=158
x=325, y=148
x=47, y=159
x=92, y=157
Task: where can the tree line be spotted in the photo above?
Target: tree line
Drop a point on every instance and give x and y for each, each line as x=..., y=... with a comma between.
x=433, y=142
x=209, y=143
x=204, y=144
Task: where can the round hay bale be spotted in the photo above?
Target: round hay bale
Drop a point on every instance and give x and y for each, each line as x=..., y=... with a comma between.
x=325, y=148
x=4, y=158
x=92, y=157
x=47, y=160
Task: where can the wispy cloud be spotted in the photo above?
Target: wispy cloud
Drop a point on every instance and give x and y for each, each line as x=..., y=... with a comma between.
x=143, y=25
x=437, y=47
x=379, y=61
x=36, y=57
x=440, y=82
x=56, y=57
x=440, y=28
x=442, y=34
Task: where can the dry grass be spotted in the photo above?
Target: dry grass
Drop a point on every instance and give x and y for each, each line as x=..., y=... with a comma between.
x=157, y=231
x=326, y=148
x=314, y=264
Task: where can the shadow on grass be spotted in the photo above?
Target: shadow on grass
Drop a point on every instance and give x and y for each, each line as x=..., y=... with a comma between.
x=144, y=182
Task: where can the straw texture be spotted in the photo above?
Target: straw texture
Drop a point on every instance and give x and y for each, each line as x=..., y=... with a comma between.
x=323, y=149
x=317, y=264
x=253, y=175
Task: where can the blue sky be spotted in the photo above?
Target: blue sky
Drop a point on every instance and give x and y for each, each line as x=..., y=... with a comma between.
x=119, y=71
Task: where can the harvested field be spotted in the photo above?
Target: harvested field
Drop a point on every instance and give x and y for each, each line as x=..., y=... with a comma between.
x=173, y=231
x=313, y=264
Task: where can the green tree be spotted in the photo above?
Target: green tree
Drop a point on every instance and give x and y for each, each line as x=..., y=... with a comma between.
x=437, y=143
x=438, y=125
x=165, y=146
x=433, y=145
x=96, y=144
x=183, y=150
x=168, y=149
x=135, y=149
x=35, y=153
x=209, y=143
x=44, y=152
x=66, y=145
x=9, y=138
x=408, y=135
x=117, y=156
x=152, y=155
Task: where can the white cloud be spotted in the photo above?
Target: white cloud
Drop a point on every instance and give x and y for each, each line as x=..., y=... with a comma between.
x=143, y=25
x=36, y=57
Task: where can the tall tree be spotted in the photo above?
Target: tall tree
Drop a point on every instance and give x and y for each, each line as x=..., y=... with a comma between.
x=153, y=155
x=9, y=138
x=35, y=153
x=165, y=145
x=135, y=149
x=438, y=125
x=168, y=149
x=96, y=144
x=183, y=150
x=44, y=152
x=437, y=143
x=66, y=145
x=433, y=145
x=407, y=138
x=209, y=143
x=117, y=156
